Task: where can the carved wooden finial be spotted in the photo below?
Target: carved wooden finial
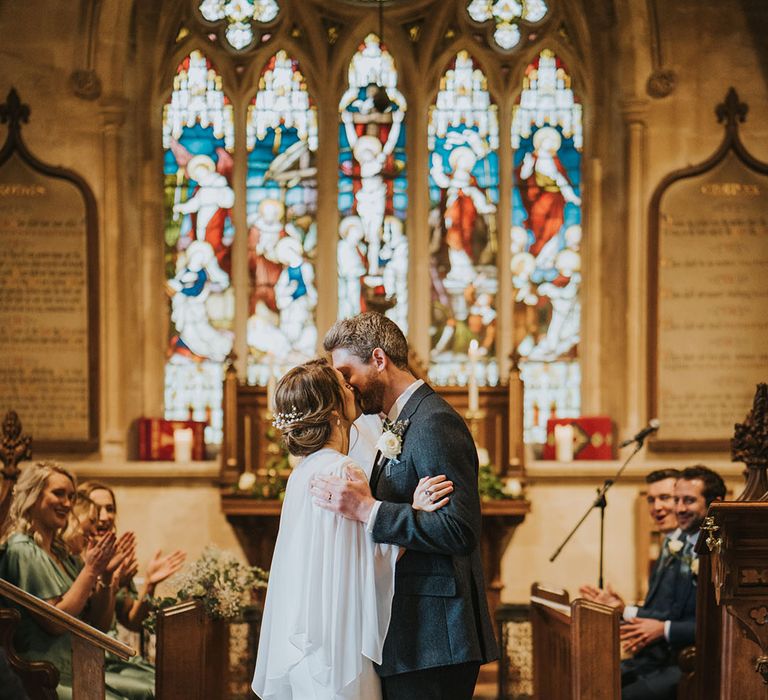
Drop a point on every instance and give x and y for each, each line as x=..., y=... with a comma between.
x=13, y=112
x=750, y=446
x=14, y=447
x=731, y=110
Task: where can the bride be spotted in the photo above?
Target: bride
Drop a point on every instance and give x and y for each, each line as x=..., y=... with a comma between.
x=330, y=586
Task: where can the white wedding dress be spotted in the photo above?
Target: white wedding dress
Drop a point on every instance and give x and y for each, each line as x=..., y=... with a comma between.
x=328, y=601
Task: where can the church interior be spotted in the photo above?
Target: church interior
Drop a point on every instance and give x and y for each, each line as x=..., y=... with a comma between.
x=562, y=203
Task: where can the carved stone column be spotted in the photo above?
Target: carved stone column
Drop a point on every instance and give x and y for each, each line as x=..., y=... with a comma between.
x=634, y=112
x=112, y=112
x=592, y=294
x=419, y=283
x=240, y=279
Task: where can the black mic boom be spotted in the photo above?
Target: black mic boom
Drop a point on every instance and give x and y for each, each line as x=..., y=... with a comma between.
x=652, y=427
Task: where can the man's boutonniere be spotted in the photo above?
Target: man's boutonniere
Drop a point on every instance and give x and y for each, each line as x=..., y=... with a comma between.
x=695, y=566
x=675, y=546
x=390, y=443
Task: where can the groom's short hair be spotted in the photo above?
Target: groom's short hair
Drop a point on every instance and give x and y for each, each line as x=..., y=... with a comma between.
x=363, y=333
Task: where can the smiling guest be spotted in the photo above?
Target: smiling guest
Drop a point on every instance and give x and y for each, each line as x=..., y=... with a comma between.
x=661, y=499
x=35, y=558
x=666, y=622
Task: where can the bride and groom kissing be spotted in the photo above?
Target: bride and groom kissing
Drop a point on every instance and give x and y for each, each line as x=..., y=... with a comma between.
x=376, y=586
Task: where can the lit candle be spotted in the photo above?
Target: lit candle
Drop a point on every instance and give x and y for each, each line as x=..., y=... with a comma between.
x=474, y=397
x=564, y=443
x=271, y=384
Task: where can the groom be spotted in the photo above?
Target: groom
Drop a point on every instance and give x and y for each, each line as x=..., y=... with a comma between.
x=440, y=632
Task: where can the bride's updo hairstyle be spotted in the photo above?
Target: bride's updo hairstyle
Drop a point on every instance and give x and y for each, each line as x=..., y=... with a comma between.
x=305, y=399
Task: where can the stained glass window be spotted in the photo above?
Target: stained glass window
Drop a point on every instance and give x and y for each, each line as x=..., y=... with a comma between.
x=546, y=241
x=239, y=14
x=463, y=140
x=281, y=202
x=506, y=14
x=372, y=251
x=198, y=139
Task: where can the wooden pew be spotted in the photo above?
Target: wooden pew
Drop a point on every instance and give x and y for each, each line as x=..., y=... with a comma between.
x=192, y=654
x=575, y=647
x=88, y=646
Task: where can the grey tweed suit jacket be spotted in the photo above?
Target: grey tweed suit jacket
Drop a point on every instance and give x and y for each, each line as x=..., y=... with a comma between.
x=439, y=611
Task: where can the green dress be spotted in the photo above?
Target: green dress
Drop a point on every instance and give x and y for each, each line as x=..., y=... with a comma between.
x=26, y=565
x=135, y=678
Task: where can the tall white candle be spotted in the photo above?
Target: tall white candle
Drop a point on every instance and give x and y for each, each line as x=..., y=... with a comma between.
x=474, y=395
x=564, y=443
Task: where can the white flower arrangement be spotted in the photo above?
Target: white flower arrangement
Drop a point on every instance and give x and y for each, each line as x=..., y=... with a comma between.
x=390, y=444
x=220, y=580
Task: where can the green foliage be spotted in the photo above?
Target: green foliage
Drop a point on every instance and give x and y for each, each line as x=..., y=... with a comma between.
x=491, y=487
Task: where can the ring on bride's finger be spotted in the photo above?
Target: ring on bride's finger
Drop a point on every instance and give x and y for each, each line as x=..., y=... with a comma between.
x=427, y=492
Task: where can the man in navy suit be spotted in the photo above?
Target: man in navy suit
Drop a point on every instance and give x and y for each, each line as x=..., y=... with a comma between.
x=440, y=632
x=666, y=622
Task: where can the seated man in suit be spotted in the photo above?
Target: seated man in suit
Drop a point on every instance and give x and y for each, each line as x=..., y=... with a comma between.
x=666, y=622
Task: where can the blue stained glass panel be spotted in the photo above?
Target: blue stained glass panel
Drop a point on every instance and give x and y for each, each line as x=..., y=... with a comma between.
x=545, y=242
x=463, y=140
x=372, y=252
x=281, y=204
x=198, y=138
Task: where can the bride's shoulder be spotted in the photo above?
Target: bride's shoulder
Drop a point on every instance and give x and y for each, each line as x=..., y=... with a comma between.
x=325, y=460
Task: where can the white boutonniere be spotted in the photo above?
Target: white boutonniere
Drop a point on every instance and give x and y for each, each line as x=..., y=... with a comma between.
x=675, y=546
x=390, y=444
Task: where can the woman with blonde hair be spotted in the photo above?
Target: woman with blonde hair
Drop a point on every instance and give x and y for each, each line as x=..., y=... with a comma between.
x=330, y=586
x=132, y=606
x=35, y=558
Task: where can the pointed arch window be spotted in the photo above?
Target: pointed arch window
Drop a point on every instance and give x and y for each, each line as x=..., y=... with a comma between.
x=546, y=241
x=281, y=206
x=372, y=249
x=463, y=140
x=198, y=141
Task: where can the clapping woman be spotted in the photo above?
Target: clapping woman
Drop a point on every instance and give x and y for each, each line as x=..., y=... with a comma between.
x=135, y=678
x=35, y=558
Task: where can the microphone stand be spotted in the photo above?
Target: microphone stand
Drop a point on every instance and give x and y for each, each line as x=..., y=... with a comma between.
x=600, y=503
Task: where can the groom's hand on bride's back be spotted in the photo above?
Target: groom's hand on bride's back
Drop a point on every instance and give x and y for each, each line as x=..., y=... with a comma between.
x=350, y=496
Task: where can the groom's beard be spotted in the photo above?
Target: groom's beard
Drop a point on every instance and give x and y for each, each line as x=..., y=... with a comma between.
x=371, y=397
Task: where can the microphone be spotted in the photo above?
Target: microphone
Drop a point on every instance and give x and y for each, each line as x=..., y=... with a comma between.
x=652, y=427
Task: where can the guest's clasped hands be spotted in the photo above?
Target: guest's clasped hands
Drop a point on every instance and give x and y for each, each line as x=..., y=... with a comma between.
x=635, y=633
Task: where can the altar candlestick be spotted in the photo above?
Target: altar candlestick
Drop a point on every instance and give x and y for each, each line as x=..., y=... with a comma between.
x=474, y=397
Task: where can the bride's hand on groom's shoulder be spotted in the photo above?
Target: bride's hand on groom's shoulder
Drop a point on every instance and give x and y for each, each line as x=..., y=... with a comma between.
x=349, y=496
x=433, y=492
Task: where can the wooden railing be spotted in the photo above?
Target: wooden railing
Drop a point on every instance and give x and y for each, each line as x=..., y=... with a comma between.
x=88, y=646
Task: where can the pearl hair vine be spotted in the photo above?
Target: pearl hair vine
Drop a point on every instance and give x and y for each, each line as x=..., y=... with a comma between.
x=284, y=421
